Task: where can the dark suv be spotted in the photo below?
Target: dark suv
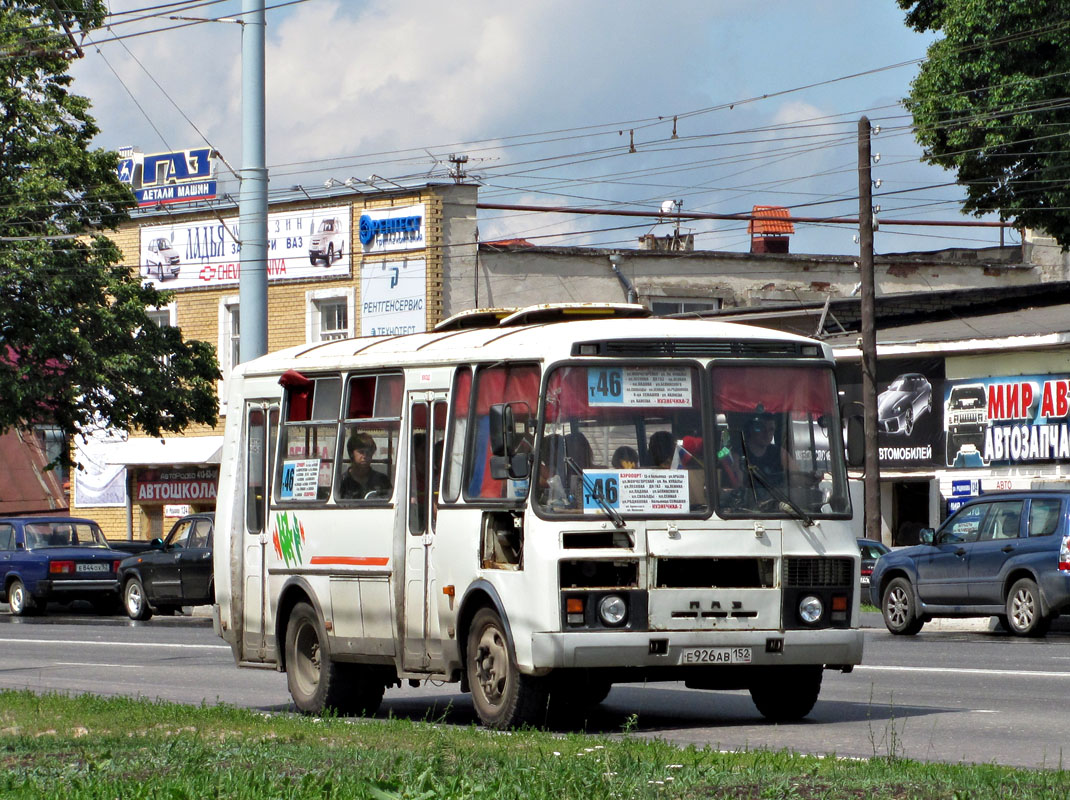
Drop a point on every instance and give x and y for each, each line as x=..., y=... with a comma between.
x=1002, y=555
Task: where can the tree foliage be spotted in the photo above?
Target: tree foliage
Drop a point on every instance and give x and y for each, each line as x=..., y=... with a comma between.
x=990, y=103
x=77, y=346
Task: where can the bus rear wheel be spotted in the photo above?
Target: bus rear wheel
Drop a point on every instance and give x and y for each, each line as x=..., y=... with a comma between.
x=503, y=698
x=789, y=694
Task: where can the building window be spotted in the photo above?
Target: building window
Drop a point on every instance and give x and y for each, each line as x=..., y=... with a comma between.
x=663, y=306
x=234, y=328
x=328, y=314
x=333, y=320
x=228, y=349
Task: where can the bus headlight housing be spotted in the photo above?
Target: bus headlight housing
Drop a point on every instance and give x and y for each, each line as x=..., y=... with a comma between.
x=810, y=609
x=612, y=610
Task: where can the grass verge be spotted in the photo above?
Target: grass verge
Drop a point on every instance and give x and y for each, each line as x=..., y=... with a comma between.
x=54, y=746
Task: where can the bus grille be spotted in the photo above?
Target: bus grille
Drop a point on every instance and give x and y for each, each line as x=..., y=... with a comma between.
x=814, y=572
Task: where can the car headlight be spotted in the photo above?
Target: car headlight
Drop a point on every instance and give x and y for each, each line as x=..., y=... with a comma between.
x=612, y=609
x=810, y=609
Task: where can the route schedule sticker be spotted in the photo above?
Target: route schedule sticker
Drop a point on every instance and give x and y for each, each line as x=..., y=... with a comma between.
x=636, y=491
x=639, y=386
x=300, y=479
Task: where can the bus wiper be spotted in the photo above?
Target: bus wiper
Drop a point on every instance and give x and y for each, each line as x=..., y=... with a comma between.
x=611, y=512
x=786, y=503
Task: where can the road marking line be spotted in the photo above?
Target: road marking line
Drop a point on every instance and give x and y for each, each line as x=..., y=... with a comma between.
x=91, y=664
x=119, y=644
x=967, y=671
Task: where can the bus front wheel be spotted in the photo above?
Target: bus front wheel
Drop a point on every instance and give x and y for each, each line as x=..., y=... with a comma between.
x=788, y=695
x=503, y=698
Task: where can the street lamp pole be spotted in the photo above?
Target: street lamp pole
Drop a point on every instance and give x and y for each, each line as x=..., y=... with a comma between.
x=252, y=197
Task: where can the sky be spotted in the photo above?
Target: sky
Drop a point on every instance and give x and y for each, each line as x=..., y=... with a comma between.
x=547, y=99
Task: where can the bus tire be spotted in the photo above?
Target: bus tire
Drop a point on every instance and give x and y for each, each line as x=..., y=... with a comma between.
x=316, y=683
x=502, y=697
x=789, y=694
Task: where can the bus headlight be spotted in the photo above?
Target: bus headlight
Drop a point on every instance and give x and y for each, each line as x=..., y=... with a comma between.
x=612, y=609
x=810, y=609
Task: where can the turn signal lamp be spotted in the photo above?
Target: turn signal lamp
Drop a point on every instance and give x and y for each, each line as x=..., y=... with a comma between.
x=574, y=610
x=1064, y=554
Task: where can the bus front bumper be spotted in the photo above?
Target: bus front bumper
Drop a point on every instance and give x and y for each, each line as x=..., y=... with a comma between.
x=684, y=649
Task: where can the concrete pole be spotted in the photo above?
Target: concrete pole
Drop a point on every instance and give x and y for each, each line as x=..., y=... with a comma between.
x=252, y=197
x=869, y=334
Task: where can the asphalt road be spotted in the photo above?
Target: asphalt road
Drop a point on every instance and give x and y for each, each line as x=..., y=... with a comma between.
x=952, y=693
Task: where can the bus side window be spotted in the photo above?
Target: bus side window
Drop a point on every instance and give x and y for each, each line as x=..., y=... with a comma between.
x=308, y=444
x=510, y=383
x=458, y=434
x=369, y=438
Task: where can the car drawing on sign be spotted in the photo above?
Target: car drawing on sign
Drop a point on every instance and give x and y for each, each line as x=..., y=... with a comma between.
x=56, y=559
x=327, y=243
x=908, y=398
x=162, y=258
x=173, y=572
x=965, y=419
x=1005, y=555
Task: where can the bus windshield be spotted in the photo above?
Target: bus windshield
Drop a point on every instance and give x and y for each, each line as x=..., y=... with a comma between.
x=635, y=438
x=779, y=444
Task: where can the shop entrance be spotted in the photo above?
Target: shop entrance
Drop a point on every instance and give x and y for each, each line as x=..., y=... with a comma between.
x=911, y=511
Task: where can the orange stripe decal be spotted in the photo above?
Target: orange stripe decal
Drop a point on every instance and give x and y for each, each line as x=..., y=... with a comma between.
x=350, y=561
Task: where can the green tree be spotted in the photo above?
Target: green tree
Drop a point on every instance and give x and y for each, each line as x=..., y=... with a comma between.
x=77, y=346
x=990, y=103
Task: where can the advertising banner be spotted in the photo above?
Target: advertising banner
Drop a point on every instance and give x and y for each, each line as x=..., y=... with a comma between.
x=312, y=243
x=170, y=486
x=180, y=176
x=910, y=432
x=393, y=297
x=391, y=230
x=1007, y=421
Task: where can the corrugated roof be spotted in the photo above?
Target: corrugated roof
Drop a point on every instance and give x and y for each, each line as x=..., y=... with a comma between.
x=773, y=221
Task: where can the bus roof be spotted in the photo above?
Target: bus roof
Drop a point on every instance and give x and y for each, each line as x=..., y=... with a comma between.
x=544, y=341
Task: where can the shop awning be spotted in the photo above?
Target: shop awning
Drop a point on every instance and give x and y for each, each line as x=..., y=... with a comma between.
x=166, y=452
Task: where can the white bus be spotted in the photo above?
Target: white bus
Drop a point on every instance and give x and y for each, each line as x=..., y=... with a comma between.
x=538, y=506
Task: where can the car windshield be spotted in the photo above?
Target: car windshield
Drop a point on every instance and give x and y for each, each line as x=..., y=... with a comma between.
x=327, y=226
x=967, y=398
x=63, y=534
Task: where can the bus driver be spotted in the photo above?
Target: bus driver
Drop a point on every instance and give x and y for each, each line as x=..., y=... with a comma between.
x=360, y=480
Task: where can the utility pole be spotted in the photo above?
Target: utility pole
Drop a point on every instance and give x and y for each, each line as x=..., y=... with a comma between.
x=252, y=196
x=869, y=334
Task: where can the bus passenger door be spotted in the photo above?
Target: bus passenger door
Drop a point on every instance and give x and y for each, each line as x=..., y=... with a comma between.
x=261, y=425
x=427, y=430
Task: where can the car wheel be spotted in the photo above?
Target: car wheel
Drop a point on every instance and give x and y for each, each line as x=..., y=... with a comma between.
x=330, y=254
x=19, y=600
x=898, y=607
x=908, y=422
x=134, y=600
x=316, y=682
x=312, y=260
x=1025, y=615
x=503, y=698
x=787, y=695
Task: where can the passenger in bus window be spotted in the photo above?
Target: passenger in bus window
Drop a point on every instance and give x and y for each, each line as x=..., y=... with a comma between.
x=625, y=457
x=661, y=449
x=360, y=480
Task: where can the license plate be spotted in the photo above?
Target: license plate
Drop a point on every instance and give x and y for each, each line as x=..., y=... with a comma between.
x=865, y=580
x=716, y=655
x=92, y=568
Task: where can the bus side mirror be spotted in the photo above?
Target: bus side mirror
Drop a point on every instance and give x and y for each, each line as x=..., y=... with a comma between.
x=505, y=461
x=856, y=441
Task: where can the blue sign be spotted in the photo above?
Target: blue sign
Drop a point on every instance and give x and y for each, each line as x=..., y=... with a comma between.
x=605, y=386
x=600, y=485
x=964, y=488
x=175, y=193
x=403, y=228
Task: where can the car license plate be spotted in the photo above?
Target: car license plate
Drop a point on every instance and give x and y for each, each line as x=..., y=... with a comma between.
x=92, y=568
x=716, y=655
x=865, y=580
